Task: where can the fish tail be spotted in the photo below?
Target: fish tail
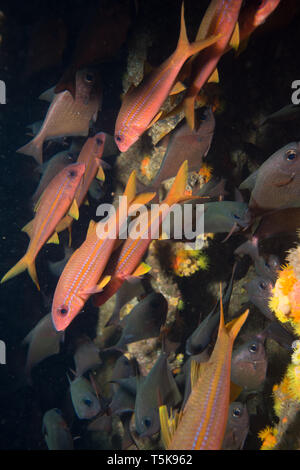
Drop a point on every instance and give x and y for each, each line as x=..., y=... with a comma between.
x=187, y=49
x=177, y=192
x=22, y=265
x=34, y=148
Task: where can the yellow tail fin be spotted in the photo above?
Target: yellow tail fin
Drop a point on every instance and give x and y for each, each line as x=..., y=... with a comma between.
x=177, y=192
x=22, y=265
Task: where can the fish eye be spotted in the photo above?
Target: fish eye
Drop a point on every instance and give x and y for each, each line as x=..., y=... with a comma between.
x=263, y=285
x=236, y=412
x=89, y=77
x=88, y=402
x=99, y=141
x=147, y=422
x=291, y=155
x=63, y=310
x=237, y=217
x=70, y=156
x=72, y=173
x=252, y=348
x=118, y=138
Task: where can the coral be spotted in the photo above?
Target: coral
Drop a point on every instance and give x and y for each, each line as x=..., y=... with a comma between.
x=187, y=262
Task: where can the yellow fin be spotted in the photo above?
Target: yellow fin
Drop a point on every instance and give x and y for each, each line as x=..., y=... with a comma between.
x=28, y=228
x=130, y=190
x=104, y=282
x=197, y=369
x=234, y=326
x=100, y=174
x=86, y=202
x=156, y=118
x=141, y=199
x=177, y=88
x=36, y=206
x=54, y=239
x=235, y=391
x=177, y=191
x=74, y=211
x=214, y=78
x=235, y=38
x=142, y=269
x=91, y=227
x=21, y=266
x=168, y=424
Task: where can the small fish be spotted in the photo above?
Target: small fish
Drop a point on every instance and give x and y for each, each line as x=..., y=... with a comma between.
x=186, y=144
x=50, y=169
x=86, y=356
x=43, y=340
x=56, y=432
x=225, y=216
x=123, y=400
x=68, y=116
x=124, y=294
x=277, y=181
x=249, y=364
x=80, y=278
x=237, y=428
x=56, y=200
x=259, y=291
x=57, y=267
x=85, y=401
x=141, y=104
x=125, y=366
x=158, y=388
x=202, y=424
x=220, y=19
x=264, y=267
x=144, y=321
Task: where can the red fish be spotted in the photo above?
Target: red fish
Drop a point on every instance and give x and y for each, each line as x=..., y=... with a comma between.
x=80, y=277
x=140, y=107
x=53, y=205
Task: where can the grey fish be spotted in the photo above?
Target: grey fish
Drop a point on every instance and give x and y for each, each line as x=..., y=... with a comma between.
x=249, y=364
x=277, y=181
x=43, y=340
x=57, y=267
x=265, y=267
x=127, y=292
x=158, y=388
x=144, y=321
x=287, y=113
x=259, y=292
x=86, y=356
x=85, y=401
x=237, y=426
x=56, y=432
x=123, y=400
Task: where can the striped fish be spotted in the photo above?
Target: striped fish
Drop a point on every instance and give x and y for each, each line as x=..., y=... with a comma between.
x=80, y=277
x=55, y=202
x=140, y=106
x=202, y=423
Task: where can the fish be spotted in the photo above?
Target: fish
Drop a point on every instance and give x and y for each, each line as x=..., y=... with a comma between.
x=57, y=267
x=266, y=267
x=186, y=144
x=124, y=294
x=249, y=364
x=237, y=428
x=103, y=29
x=50, y=169
x=225, y=216
x=202, y=423
x=84, y=398
x=125, y=264
x=56, y=200
x=157, y=388
x=81, y=275
x=90, y=155
x=259, y=291
x=123, y=400
x=86, y=356
x=220, y=19
x=275, y=223
x=56, y=432
x=277, y=181
x=102, y=424
x=198, y=341
x=43, y=341
x=287, y=113
x=125, y=366
x=140, y=105
x=144, y=321
x=68, y=116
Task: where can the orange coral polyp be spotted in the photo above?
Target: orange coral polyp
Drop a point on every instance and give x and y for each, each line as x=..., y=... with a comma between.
x=287, y=279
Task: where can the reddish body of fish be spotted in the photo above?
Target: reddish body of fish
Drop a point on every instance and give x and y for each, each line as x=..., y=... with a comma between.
x=67, y=116
x=124, y=262
x=80, y=277
x=141, y=104
x=204, y=417
x=53, y=205
x=90, y=155
x=254, y=14
x=222, y=22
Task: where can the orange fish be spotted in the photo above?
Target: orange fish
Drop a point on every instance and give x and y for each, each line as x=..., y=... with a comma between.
x=90, y=155
x=125, y=263
x=140, y=106
x=202, y=423
x=220, y=18
x=67, y=116
x=55, y=201
x=80, y=277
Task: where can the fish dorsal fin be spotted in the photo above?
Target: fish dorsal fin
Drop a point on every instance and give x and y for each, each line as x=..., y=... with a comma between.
x=177, y=88
x=156, y=118
x=142, y=269
x=74, y=211
x=54, y=239
x=168, y=424
x=249, y=182
x=235, y=38
x=28, y=228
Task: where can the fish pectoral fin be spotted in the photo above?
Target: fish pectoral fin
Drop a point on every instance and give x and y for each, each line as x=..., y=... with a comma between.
x=177, y=88
x=168, y=423
x=235, y=38
x=235, y=391
x=156, y=118
x=285, y=179
x=100, y=174
x=54, y=239
x=214, y=78
x=96, y=289
x=197, y=370
x=142, y=269
x=74, y=211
